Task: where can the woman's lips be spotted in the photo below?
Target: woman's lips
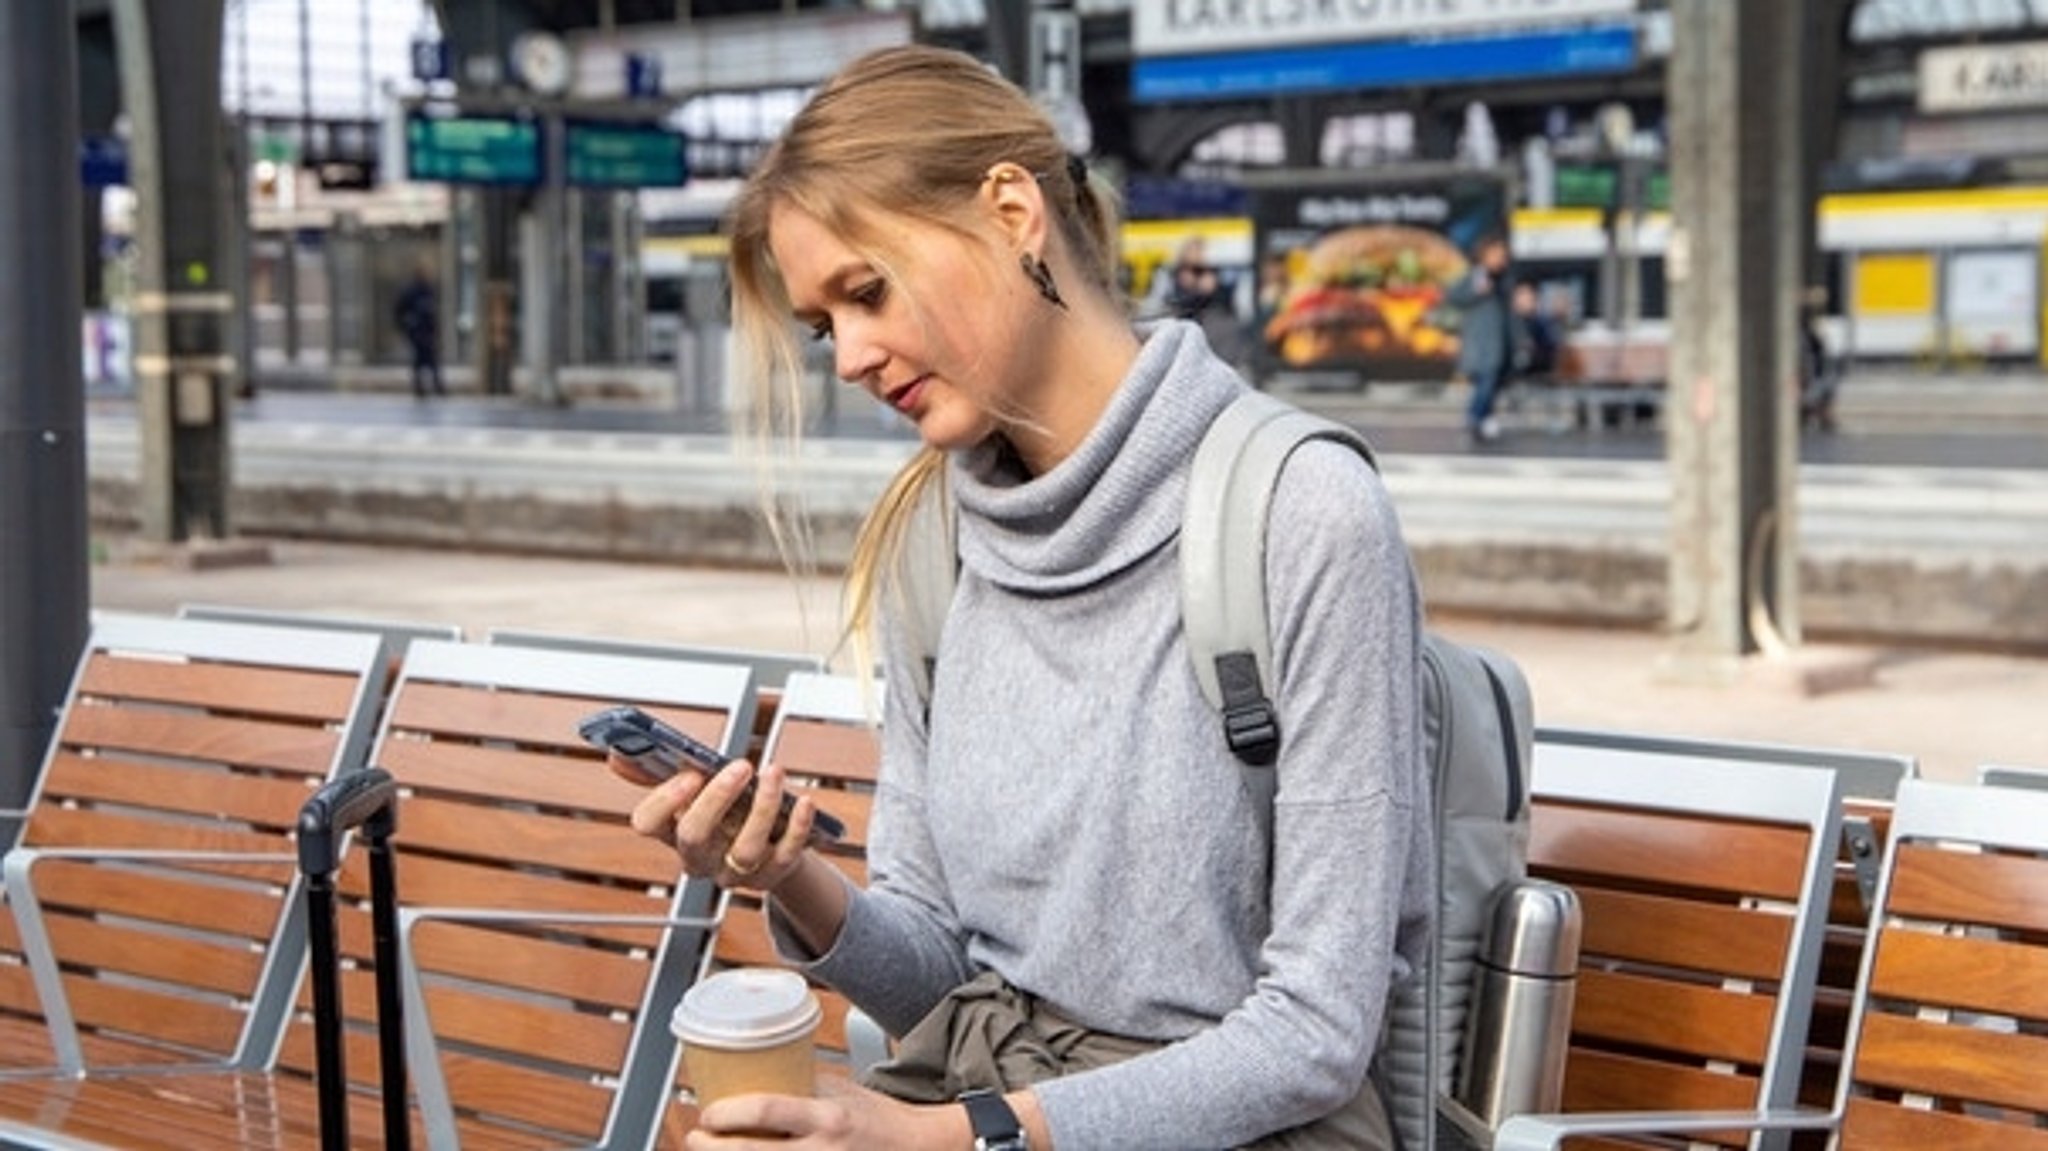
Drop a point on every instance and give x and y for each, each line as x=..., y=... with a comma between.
x=905, y=398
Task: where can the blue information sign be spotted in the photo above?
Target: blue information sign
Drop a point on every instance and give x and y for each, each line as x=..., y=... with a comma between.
x=643, y=76
x=1323, y=68
x=103, y=161
x=430, y=60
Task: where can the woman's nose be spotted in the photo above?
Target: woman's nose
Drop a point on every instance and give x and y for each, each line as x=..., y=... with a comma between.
x=853, y=357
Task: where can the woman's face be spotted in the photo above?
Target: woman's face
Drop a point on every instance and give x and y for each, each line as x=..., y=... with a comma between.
x=937, y=344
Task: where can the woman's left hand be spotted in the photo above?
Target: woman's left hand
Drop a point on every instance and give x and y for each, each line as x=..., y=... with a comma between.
x=843, y=1116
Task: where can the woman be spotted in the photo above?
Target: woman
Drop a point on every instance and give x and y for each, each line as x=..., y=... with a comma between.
x=1062, y=852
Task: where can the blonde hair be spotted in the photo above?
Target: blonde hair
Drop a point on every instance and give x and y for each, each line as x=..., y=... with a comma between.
x=907, y=132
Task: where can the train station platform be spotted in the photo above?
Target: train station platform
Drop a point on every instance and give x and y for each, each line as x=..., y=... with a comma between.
x=1923, y=520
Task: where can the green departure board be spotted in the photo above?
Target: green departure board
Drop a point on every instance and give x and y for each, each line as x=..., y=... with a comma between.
x=470, y=149
x=624, y=155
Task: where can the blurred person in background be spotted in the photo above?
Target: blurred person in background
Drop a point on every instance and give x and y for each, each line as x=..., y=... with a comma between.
x=1485, y=332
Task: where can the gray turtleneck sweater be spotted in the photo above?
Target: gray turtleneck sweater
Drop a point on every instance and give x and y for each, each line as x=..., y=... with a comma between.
x=1073, y=819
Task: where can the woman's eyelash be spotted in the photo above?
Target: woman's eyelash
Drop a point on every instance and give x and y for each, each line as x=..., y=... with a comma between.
x=868, y=295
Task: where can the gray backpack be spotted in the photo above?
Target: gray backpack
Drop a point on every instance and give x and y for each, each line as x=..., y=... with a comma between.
x=1478, y=723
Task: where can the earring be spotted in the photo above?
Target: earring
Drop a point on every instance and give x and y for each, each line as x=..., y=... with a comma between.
x=1041, y=278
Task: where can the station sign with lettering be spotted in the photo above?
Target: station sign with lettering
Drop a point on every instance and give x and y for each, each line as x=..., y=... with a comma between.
x=1187, y=27
x=1984, y=78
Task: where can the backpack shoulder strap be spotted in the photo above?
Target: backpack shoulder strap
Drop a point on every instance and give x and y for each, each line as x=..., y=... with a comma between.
x=1223, y=561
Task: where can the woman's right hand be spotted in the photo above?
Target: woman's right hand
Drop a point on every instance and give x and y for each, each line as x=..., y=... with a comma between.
x=718, y=835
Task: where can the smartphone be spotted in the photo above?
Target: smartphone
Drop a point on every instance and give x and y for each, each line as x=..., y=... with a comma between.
x=661, y=751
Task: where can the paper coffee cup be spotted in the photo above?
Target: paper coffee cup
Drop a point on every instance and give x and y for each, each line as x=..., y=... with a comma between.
x=748, y=1030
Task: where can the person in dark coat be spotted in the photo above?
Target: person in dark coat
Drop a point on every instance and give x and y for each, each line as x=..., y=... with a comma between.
x=419, y=318
x=1486, y=332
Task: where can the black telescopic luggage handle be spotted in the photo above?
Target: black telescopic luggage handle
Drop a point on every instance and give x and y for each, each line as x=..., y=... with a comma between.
x=367, y=799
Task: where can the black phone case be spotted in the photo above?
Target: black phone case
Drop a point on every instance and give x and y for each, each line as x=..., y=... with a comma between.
x=661, y=750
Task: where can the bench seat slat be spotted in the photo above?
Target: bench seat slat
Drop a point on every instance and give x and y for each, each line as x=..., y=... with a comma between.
x=203, y=902
x=250, y=689
x=1872, y=1123
x=237, y=740
x=201, y=963
x=1986, y=975
x=583, y=846
x=541, y=720
x=1689, y=934
x=1956, y=887
x=1637, y=1010
x=221, y=793
x=452, y=768
x=1952, y=1060
x=1665, y=849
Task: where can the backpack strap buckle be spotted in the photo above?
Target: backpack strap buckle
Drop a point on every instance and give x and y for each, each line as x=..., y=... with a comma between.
x=1250, y=725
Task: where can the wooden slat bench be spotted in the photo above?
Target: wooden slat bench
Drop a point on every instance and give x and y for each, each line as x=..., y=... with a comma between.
x=1949, y=1030
x=1870, y=780
x=183, y=746
x=546, y=941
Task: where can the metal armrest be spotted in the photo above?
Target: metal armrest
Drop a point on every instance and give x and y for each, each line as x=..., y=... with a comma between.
x=1546, y=1132
x=423, y=1054
x=16, y=877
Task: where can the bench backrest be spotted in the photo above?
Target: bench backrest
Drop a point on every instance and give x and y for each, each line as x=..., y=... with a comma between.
x=1705, y=887
x=176, y=736
x=534, y=1026
x=1869, y=781
x=1951, y=1025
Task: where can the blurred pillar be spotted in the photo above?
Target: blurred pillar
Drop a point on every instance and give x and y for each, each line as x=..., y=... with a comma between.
x=44, y=591
x=1739, y=187
x=170, y=73
x=1009, y=39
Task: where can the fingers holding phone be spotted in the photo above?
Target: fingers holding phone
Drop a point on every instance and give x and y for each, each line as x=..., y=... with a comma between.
x=763, y=830
x=725, y=823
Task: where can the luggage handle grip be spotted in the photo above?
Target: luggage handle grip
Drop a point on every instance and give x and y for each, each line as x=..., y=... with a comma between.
x=340, y=806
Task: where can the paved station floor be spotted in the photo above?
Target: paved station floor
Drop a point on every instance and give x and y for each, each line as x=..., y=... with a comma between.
x=1954, y=710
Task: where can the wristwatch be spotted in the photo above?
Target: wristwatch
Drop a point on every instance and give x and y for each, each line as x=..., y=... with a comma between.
x=995, y=1125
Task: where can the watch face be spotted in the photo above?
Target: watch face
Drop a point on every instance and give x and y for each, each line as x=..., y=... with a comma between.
x=541, y=61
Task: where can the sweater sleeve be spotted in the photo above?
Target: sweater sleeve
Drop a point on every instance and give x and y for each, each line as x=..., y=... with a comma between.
x=1350, y=896
x=901, y=948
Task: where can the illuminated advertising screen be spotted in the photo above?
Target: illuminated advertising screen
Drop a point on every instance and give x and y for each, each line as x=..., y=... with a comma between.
x=1357, y=276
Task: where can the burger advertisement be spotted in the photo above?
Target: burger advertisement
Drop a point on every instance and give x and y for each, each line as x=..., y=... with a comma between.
x=1358, y=278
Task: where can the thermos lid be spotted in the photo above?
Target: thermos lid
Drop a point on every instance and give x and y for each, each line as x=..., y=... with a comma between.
x=1533, y=929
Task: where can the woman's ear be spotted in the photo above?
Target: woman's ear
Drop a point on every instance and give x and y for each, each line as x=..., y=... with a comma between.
x=1016, y=200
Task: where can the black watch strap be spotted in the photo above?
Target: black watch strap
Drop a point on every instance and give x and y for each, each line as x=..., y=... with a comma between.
x=995, y=1126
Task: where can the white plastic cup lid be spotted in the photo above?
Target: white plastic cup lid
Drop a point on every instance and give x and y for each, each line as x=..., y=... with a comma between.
x=746, y=1009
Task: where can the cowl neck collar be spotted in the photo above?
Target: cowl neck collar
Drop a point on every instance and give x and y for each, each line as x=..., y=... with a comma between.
x=1118, y=497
